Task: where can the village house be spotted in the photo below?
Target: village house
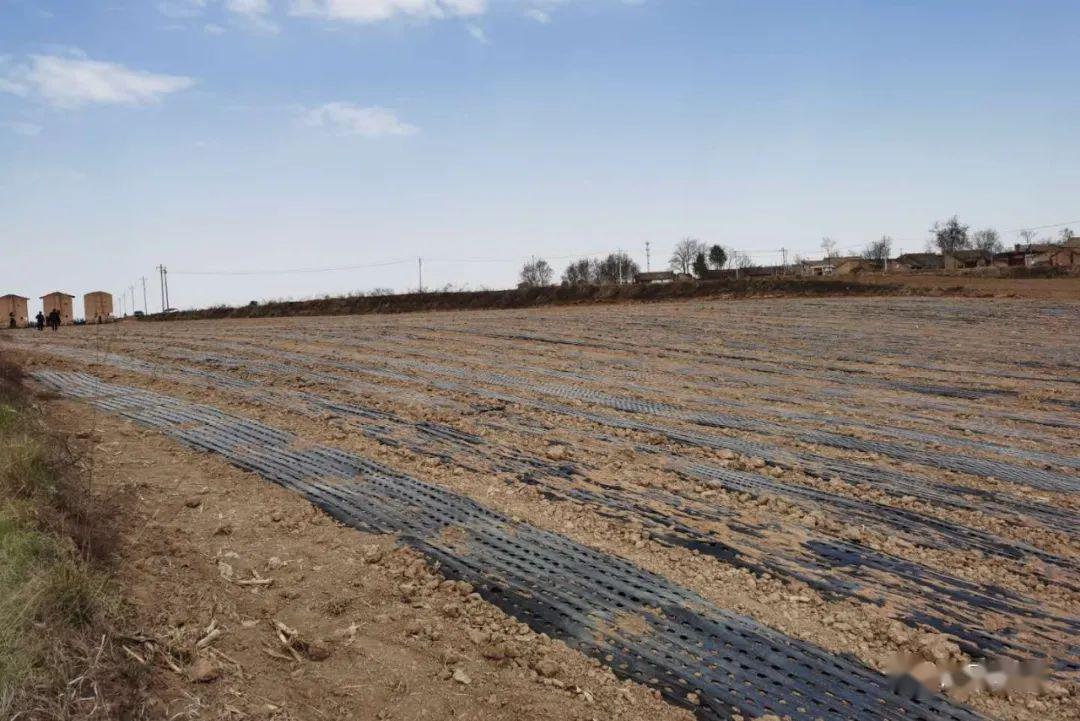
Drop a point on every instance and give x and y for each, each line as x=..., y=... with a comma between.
x=656, y=276
x=61, y=302
x=98, y=307
x=919, y=261
x=816, y=267
x=1055, y=255
x=967, y=259
x=13, y=309
x=849, y=265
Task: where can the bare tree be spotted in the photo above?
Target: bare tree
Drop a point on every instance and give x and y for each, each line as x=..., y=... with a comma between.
x=682, y=260
x=581, y=271
x=739, y=259
x=951, y=235
x=879, y=250
x=986, y=240
x=1028, y=236
x=536, y=273
x=616, y=268
x=1065, y=234
x=829, y=246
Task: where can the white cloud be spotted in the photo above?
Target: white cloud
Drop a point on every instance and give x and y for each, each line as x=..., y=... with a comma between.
x=71, y=82
x=21, y=128
x=180, y=9
x=540, y=16
x=477, y=33
x=255, y=13
x=351, y=119
x=370, y=11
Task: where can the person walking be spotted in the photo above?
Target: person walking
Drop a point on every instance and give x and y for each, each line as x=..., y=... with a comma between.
x=11, y=320
x=54, y=319
x=40, y=320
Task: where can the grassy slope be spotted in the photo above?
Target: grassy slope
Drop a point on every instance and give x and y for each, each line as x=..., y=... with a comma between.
x=56, y=603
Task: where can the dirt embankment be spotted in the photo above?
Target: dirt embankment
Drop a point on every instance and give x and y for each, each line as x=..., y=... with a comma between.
x=1008, y=284
x=547, y=296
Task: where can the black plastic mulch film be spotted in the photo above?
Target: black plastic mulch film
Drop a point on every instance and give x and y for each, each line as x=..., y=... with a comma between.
x=545, y=580
x=837, y=570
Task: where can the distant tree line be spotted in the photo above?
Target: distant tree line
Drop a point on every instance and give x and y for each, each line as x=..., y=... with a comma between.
x=951, y=235
x=692, y=257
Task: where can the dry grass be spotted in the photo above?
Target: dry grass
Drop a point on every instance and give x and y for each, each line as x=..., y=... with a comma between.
x=57, y=605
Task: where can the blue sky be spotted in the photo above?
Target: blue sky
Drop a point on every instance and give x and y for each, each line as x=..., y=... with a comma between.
x=289, y=134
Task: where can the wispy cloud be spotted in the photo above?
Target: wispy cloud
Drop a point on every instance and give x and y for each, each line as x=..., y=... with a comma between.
x=477, y=33
x=260, y=14
x=370, y=11
x=21, y=128
x=539, y=15
x=74, y=81
x=350, y=119
x=181, y=9
x=253, y=13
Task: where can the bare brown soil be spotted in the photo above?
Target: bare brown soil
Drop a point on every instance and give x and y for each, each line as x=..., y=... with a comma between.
x=940, y=380
x=1061, y=287
x=217, y=563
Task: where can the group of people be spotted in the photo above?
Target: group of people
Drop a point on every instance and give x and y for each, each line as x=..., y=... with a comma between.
x=53, y=320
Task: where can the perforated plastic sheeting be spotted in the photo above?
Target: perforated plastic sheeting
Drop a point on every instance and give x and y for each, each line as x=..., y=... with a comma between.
x=679, y=642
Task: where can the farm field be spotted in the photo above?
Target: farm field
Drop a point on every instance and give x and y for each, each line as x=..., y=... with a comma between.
x=751, y=507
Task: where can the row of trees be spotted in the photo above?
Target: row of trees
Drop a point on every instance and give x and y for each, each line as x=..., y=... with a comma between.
x=691, y=256
x=952, y=235
x=949, y=236
x=615, y=268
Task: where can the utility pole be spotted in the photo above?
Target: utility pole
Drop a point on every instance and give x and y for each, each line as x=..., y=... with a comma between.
x=132, y=289
x=419, y=274
x=161, y=285
x=648, y=263
x=784, y=252
x=145, y=308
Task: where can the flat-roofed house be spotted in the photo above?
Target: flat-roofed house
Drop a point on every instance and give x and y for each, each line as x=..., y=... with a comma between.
x=61, y=302
x=816, y=267
x=13, y=311
x=98, y=307
x=968, y=259
x=919, y=261
x=850, y=265
x=656, y=276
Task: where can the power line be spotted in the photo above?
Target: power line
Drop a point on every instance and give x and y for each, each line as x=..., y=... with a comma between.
x=286, y=271
x=1042, y=227
x=782, y=252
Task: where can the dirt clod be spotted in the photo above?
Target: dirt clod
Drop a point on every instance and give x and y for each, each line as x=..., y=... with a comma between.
x=204, y=671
